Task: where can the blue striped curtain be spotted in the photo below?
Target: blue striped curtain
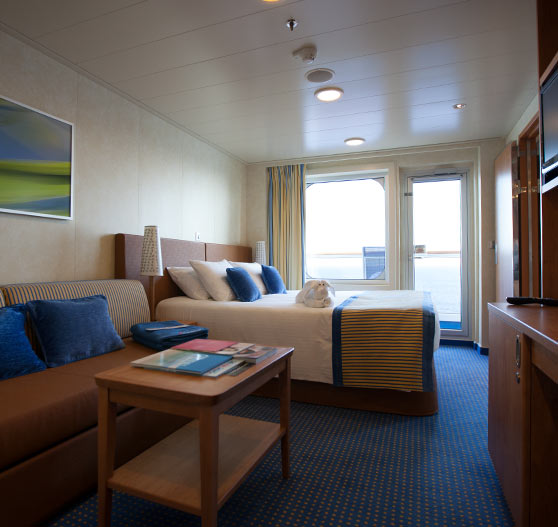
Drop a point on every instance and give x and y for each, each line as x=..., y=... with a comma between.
x=286, y=222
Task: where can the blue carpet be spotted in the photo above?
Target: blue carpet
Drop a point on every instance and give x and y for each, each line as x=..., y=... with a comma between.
x=353, y=469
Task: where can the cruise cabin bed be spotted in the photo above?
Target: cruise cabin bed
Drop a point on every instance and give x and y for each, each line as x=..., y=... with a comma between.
x=278, y=320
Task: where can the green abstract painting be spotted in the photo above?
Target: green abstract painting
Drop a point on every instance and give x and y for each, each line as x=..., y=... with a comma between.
x=35, y=162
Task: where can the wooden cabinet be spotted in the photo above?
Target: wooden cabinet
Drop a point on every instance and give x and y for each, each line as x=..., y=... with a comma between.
x=508, y=413
x=523, y=409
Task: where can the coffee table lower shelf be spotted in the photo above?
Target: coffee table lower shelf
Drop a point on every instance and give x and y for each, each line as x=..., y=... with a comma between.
x=169, y=472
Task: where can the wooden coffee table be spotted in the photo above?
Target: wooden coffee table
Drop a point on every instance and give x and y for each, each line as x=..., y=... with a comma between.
x=198, y=467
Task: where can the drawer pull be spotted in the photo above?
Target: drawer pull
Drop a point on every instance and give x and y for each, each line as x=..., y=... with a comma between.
x=518, y=351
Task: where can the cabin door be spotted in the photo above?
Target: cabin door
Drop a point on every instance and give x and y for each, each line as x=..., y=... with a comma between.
x=435, y=245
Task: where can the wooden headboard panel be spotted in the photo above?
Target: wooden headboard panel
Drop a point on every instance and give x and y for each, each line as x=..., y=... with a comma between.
x=175, y=253
x=214, y=252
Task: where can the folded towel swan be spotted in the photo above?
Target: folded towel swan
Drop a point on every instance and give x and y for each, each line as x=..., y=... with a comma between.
x=316, y=293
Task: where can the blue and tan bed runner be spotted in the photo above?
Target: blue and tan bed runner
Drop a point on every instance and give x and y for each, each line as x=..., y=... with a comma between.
x=384, y=339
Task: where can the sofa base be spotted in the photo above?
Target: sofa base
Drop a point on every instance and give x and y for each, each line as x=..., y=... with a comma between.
x=35, y=490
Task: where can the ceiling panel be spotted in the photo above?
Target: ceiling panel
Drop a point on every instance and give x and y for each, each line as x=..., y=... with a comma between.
x=358, y=94
x=34, y=18
x=225, y=70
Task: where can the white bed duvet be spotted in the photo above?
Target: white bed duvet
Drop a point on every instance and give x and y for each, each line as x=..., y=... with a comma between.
x=275, y=320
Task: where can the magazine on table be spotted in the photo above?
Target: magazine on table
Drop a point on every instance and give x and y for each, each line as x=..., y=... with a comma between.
x=245, y=351
x=180, y=361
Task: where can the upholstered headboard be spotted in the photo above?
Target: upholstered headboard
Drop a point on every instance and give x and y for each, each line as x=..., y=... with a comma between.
x=175, y=253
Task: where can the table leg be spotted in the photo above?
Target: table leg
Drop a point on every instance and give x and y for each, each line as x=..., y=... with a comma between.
x=106, y=450
x=285, y=410
x=209, y=465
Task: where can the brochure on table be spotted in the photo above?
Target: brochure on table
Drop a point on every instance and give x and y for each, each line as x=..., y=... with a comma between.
x=207, y=357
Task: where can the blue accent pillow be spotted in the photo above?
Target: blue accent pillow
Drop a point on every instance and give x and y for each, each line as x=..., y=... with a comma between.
x=75, y=329
x=242, y=284
x=272, y=280
x=16, y=354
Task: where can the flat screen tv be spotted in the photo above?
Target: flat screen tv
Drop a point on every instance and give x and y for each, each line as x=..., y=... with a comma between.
x=549, y=128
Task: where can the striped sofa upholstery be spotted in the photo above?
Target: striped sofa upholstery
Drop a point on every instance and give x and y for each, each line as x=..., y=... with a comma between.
x=2, y=302
x=127, y=301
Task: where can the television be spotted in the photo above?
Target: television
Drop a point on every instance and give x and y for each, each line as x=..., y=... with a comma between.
x=549, y=128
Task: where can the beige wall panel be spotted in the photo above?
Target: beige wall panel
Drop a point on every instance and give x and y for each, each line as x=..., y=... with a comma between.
x=213, y=196
x=106, y=197
x=36, y=249
x=256, y=199
x=197, y=184
x=12, y=66
x=50, y=86
x=228, y=215
x=160, y=176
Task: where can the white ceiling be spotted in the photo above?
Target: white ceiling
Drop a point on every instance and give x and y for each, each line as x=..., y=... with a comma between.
x=224, y=69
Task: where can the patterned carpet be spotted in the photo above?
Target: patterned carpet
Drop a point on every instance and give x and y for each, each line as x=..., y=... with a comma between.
x=354, y=469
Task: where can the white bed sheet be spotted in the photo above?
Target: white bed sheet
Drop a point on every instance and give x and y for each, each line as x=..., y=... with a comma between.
x=275, y=320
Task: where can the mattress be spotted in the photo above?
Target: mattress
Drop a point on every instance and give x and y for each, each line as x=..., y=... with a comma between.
x=275, y=320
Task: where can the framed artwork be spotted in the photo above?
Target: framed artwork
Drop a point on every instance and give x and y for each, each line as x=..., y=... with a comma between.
x=36, y=165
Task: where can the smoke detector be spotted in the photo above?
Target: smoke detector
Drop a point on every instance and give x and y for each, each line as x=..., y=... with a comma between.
x=306, y=53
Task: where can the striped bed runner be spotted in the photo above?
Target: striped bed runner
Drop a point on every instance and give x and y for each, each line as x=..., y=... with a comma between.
x=384, y=339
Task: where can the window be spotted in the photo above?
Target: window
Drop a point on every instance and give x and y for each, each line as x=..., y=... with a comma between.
x=346, y=227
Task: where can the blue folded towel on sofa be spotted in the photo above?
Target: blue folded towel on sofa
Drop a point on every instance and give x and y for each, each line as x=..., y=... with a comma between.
x=162, y=339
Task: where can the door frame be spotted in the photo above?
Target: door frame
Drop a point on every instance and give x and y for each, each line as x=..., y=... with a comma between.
x=407, y=248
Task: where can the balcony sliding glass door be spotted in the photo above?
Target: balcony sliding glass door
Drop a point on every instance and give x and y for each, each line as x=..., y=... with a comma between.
x=435, y=245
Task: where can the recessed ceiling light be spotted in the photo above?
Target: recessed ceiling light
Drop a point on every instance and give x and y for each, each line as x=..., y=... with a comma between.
x=320, y=75
x=354, y=141
x=459, y=106
x=328, y=94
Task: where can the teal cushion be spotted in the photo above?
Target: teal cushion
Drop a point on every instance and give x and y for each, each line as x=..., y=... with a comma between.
x=75, y=329
x=16, y=355
x=272, y=280
x=242, y=284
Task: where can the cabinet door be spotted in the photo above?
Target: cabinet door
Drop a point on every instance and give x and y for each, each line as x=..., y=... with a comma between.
x=508, y=414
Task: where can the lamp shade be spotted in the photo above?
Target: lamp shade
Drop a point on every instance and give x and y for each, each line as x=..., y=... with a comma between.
x=260, y=253
x=151, y=260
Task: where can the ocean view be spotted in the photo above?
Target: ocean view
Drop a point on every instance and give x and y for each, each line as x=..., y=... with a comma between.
x=441, y=275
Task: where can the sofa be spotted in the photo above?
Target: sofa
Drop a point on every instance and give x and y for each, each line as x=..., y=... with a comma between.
x=48, y=419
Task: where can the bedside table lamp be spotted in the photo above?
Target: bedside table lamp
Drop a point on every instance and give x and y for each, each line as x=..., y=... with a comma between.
x=151, y=261
x=260, y=253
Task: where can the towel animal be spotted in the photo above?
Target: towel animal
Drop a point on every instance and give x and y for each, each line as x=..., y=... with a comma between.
x=316, y=293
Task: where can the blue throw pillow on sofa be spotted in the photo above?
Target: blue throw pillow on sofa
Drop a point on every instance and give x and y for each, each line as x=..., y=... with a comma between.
x=75, y=329
x=242, y=284
x=16, y=355
x=272, y=280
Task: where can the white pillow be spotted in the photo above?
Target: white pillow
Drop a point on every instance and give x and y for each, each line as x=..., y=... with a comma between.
x=213, y=276
x=187, y=279
x=255, y=272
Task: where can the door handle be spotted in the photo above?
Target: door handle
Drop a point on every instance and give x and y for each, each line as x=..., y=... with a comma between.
x=518, y=352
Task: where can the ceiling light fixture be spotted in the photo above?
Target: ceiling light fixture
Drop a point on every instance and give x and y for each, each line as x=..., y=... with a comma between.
x=459, y=106
x=354, y=141
x=328, y=94
x=320, y=75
